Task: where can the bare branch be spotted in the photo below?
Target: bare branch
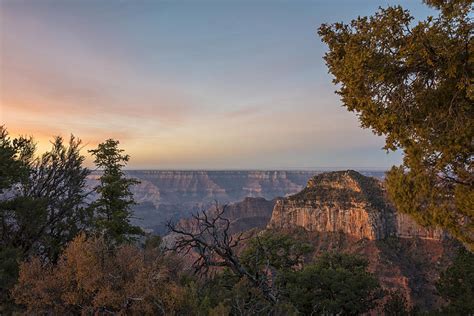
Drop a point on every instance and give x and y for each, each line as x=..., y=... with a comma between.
x=210, y=239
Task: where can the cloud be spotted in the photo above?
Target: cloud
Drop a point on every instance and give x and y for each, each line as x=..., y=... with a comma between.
x=175, y=98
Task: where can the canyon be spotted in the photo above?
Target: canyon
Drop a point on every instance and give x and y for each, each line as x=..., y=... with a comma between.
x=348, y=212
x=170, y=195
x=344, y=211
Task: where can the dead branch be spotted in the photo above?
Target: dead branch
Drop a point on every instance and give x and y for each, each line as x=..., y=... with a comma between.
x=210, y=239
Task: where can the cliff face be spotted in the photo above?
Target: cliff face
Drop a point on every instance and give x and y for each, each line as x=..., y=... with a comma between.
x=225, y=186
x=348, y=212
x=347, y=202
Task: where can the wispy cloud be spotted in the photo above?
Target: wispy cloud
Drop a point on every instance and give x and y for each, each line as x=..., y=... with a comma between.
x=180, y=84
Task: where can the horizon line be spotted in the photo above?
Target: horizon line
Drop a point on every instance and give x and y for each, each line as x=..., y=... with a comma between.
x=263, y=169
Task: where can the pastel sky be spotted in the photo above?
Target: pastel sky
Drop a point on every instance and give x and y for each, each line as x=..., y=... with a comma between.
x=185, y=84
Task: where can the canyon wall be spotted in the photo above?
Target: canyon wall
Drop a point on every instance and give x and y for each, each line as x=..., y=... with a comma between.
x=225, y=186
x=164, y=195
x=348, y=212
x=348, y=202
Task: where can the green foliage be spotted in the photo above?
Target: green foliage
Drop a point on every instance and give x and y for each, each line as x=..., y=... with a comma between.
x=113, y=207
x=456, y=285
x=42, y=201
x=335, y=284
x=278, y=250
x=413, y=84
x=226, y=294
x=396, y=305
x=9, y=258
x=42, y=206
x=15, y=157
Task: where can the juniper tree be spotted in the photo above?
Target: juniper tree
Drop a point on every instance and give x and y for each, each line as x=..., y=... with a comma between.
x=412, y=82
x=42, y=199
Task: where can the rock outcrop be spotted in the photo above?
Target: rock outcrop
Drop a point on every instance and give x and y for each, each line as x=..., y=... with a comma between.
x=347, y=202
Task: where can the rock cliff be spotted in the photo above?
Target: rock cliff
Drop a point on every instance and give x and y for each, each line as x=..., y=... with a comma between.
x=347, y=202
x=346, y=211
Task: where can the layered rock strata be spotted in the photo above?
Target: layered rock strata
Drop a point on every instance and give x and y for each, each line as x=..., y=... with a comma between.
x=347, y=202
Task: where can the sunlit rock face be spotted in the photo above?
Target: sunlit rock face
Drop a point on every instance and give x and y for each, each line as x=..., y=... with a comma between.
x=348, y=202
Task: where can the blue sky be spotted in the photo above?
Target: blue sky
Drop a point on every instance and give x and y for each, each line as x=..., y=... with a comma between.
x=185, y=84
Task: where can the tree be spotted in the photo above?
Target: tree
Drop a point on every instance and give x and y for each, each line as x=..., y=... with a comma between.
x=269, y=275
x=212, y=246
x=14, y=169
x=42, y=201
x=15, y=159
x=91, y=278
x=276, y=251
x=113, y=207
x=456, y=285
x=396, y=304
x=243, y=283
x=337, y=284
x=57, y=186
x=412, y=83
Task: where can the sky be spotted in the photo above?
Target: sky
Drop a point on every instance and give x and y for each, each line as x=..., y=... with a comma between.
x=185, y=84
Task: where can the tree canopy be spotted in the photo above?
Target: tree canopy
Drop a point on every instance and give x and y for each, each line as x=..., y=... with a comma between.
x=456, y=284
x=113, y=207
x=412, y=82
x=91, y=279
x=42, y=205
x=336, y=284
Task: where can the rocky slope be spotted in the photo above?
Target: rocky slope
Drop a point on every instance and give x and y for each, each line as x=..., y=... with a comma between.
x=410, y=266
x=347, y=202
x=348, y=212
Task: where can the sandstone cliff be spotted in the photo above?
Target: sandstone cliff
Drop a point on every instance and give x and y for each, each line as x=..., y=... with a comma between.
x=348, y=212
x=347, y=202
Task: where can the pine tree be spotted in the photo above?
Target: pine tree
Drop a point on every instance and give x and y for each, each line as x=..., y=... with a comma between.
x=113, y=207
